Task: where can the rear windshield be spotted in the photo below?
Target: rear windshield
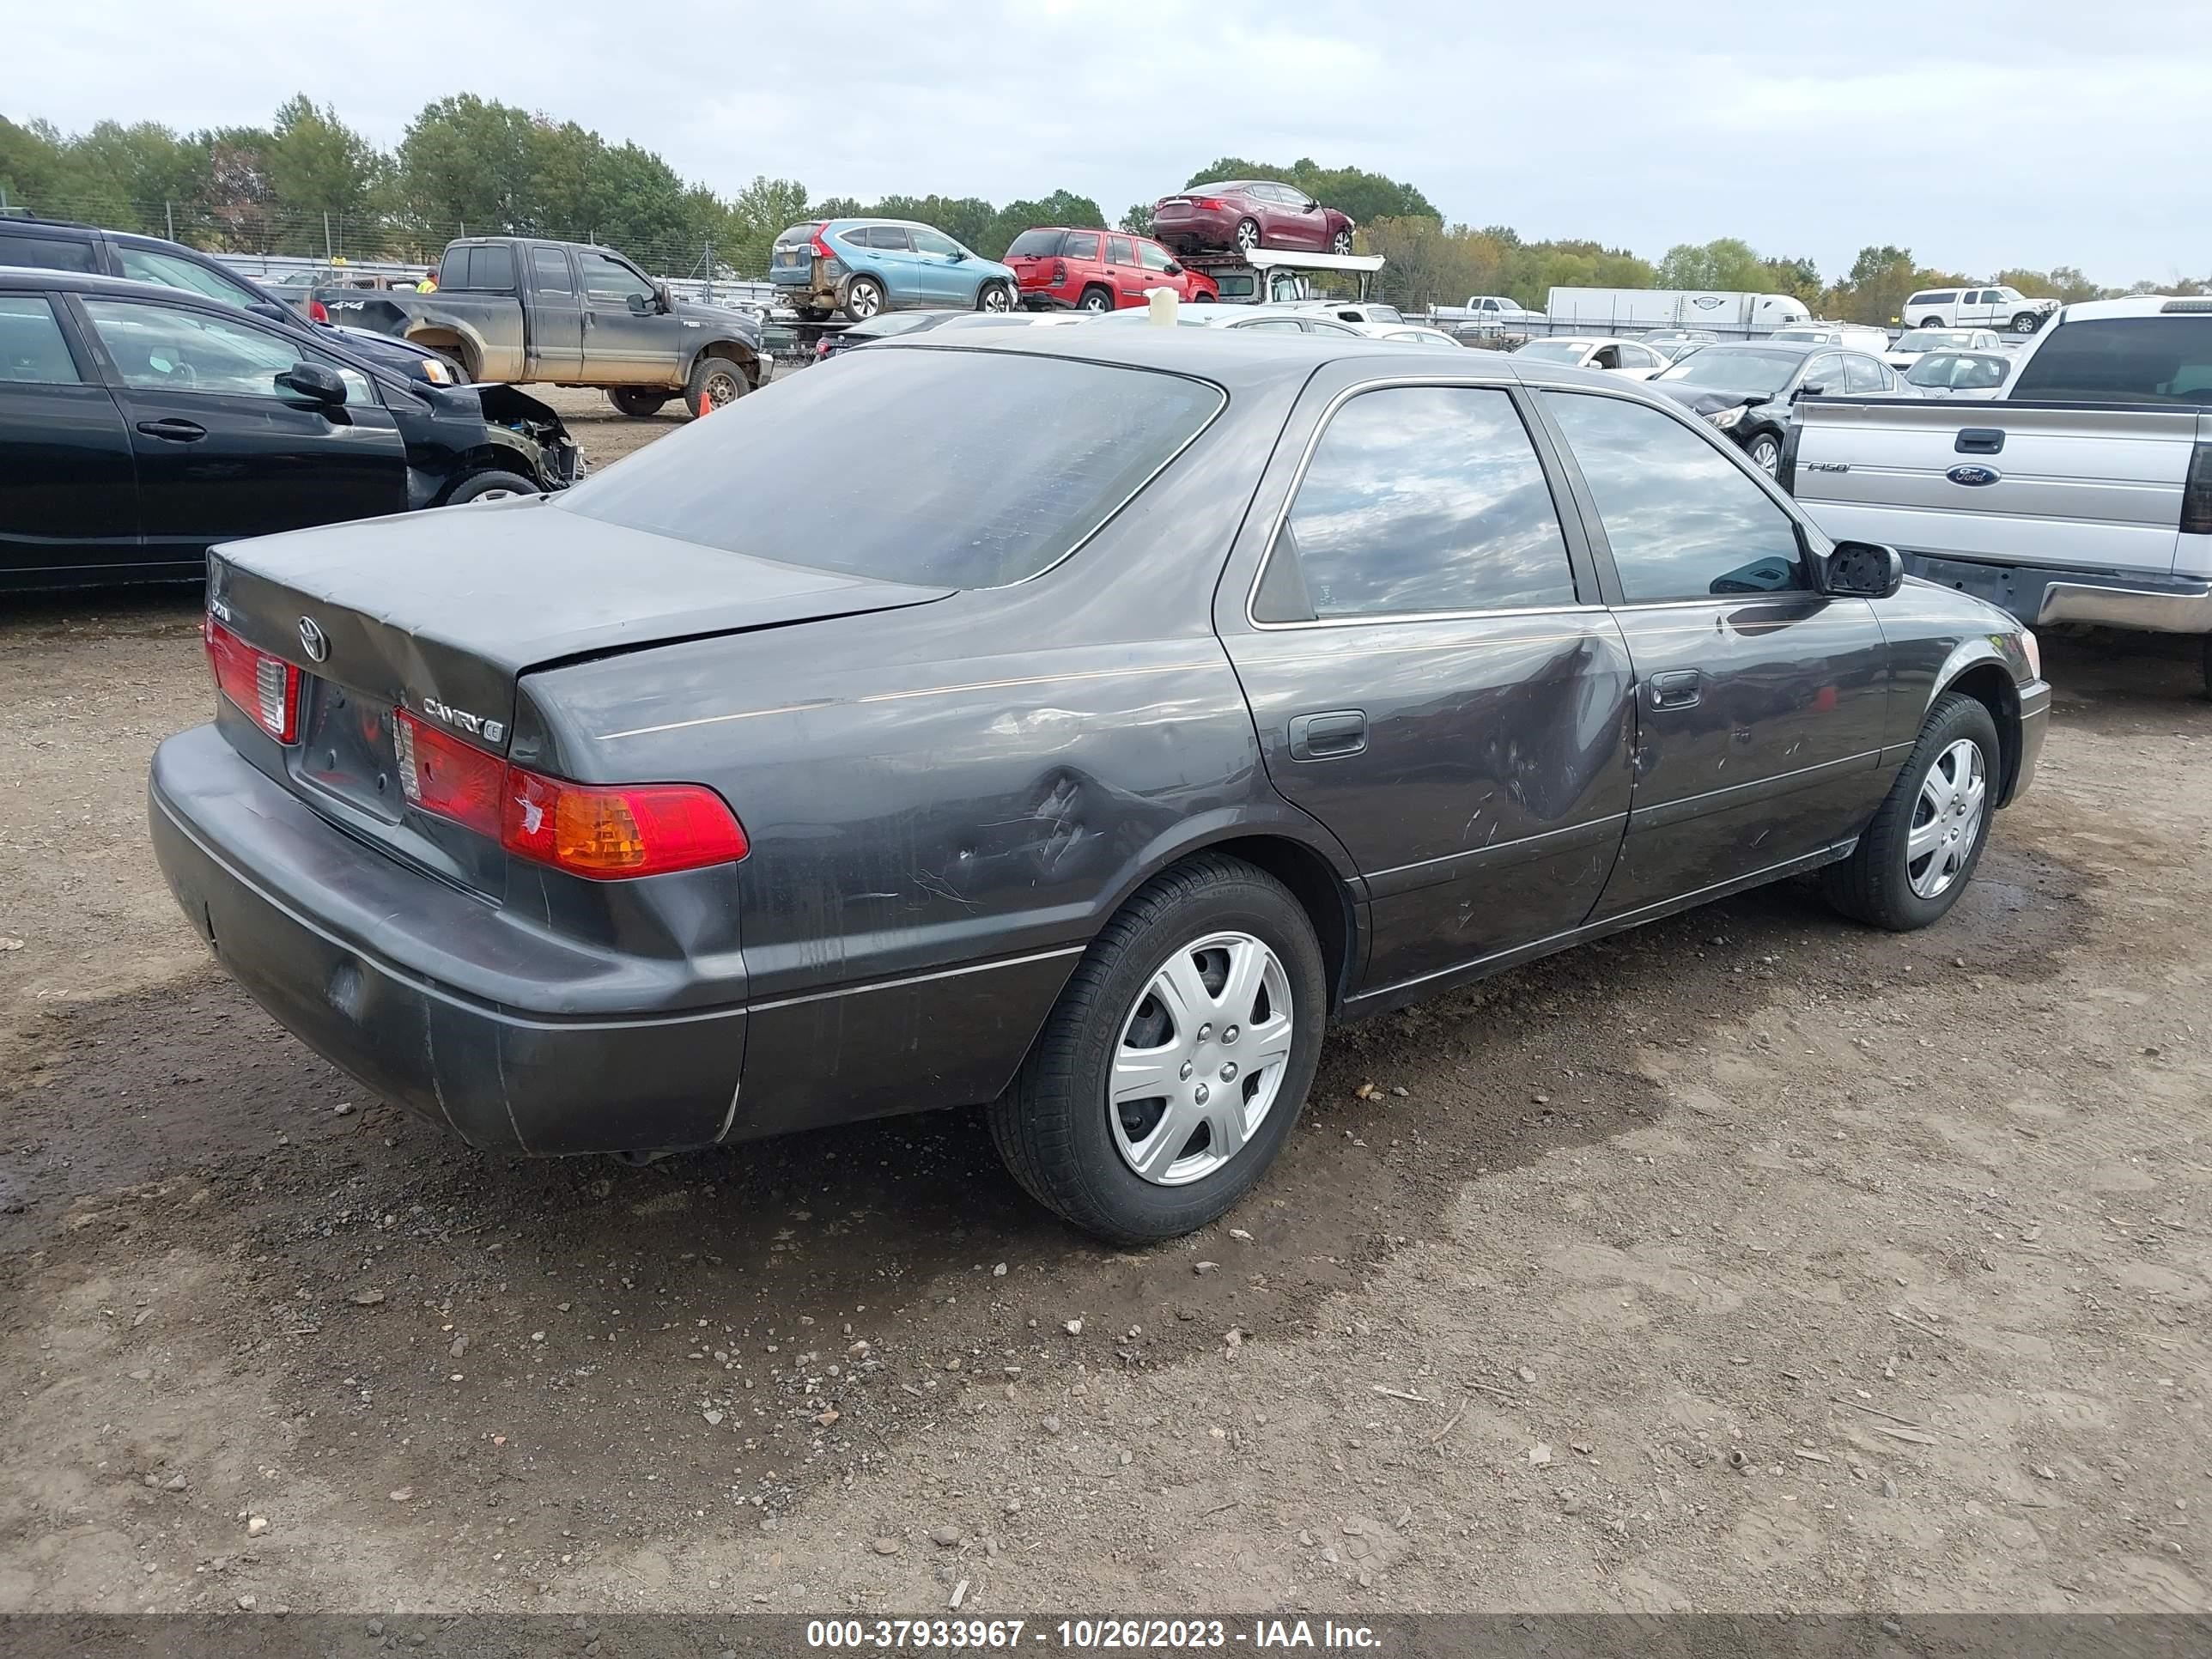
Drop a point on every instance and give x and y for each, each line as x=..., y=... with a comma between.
x=1035, y=244
x=983, y=467
x=2122, y=359
x=798, y=234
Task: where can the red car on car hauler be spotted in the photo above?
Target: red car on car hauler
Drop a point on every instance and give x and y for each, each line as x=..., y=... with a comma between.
x=1071, y=268
x=1248, y=214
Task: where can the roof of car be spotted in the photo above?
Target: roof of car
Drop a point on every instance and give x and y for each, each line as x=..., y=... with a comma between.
x=1802, y=348
x=2136, y=305
x=1584, y=340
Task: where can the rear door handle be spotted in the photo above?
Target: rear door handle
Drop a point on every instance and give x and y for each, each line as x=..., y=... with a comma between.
x=175, y=430
x=1980, y=440
x=1678, y=689
x=1332, y=736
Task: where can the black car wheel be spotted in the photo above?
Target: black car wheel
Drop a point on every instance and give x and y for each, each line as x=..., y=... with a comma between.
x=1919, y=853
x=1169, y=1074
x=1341, y=242
x=1765, y=452
x=715, y=382
x=994, y=297
x=864, y=298
x=491, y=487
x=637, y=401
x=1097, y=300
x=1248, y=234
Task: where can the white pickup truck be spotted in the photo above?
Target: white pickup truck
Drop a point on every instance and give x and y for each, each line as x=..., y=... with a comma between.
x=2082, y=494
x=1485, y=315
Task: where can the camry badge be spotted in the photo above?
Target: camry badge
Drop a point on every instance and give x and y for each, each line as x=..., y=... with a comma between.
x=1974, y=477
x=313, y=641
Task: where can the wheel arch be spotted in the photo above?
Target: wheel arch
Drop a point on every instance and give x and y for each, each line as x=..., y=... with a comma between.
x=741, y=352
x=462, y=345
x=1295, y=851
x=1977, y=671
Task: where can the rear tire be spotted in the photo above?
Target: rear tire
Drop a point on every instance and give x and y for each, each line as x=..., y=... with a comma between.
x=1075, y=1149
x=1933, y=322
x=1936, y=804
x=715, y=382
x=1096, y=301
x=864, y=298
x=637, y=402
x=491, y=487
x=1248, y=234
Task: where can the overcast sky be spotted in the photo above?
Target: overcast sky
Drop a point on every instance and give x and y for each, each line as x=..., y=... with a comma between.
x=1979, y=136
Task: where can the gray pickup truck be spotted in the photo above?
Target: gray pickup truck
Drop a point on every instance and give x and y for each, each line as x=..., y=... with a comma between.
x=2082, y=492
x=523, y=311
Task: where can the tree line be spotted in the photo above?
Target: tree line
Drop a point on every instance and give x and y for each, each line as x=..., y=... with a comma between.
x=306, y=184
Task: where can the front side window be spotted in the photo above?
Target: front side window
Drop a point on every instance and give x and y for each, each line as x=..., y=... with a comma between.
x=32, y=349
x=1684, y=521
x=1863, y=374
x=931, y=241
x=1825, y=371
x=607, y=278
x=1421, y=500
x=2122, y=359
x=1152, y=258
x=156, y=348
x=145, y=265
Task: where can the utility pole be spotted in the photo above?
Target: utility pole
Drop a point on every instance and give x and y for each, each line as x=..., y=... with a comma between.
x=326, y=238
x=169, y=218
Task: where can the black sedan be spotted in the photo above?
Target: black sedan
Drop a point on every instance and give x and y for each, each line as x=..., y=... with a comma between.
x=140, y=425
x=1750, y=390
x=1161, y=696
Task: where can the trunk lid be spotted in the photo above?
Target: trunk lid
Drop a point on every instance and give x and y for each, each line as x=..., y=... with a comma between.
x=441, y=613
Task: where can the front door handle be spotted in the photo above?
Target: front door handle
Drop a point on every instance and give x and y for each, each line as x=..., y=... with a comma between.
x=176, y=430
x=1332, y=736
x=1678, y=689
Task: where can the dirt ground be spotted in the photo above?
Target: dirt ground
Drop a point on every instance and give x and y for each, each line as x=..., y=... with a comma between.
x=1750, y=1261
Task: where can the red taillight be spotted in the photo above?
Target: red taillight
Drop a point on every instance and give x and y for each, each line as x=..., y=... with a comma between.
x=607, y=833
x=1058, y=272
x=1210, y=204
x=2196, y=494
x=821, y=347
x=266, y=687
x=822, y=248
x=318, y=312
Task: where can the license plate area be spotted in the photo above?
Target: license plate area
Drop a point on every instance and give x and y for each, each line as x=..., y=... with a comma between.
x=347, y=749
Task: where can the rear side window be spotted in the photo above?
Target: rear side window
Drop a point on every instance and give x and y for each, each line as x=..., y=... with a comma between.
x=45, y=253
x=1045, y=451
x=453, y=268
x=1119, y=252
x=489, y=269
x=1932, y=298
x=1082, y=245
x=1682, y=520
x=2122, y=359
x=32, y=349
x=1421, y=500
x=549, y=269
x=1035, y=244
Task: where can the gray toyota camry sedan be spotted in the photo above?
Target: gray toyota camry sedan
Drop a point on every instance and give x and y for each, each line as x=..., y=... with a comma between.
x=1116, y=708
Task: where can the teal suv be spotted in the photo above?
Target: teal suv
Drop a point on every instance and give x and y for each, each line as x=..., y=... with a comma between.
x=863, y=267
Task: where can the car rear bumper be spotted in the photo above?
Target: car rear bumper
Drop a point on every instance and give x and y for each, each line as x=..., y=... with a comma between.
x=1197, y=227
x=366, y=960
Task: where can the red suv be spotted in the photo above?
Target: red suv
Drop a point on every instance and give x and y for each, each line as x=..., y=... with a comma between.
x=1063, y=268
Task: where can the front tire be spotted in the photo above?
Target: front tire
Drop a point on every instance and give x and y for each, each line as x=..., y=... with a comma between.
x=638, y=401
x=715, y=383
x=1765, y=452
x=994, y=297
x=1920, y=851
x=2027, y=322
x=864, y=298
x=1340, y=243
x=1170, y=1071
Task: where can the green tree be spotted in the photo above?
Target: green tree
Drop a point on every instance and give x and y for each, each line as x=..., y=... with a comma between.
x=1137, y=220
x=756, y=216
x=465, y=161
x=2062, y=282
x=1727, y=265
x=1798, y=278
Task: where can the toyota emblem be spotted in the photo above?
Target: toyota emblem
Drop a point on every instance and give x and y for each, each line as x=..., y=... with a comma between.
x=313, y=641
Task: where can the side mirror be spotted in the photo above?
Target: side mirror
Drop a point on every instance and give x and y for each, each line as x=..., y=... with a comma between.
x=958, y=254
x=1813, y=390
x=315, y=383
x=1863, y=570
x=1172, y=269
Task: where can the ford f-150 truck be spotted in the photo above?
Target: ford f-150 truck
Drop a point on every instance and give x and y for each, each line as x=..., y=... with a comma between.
x=522, y=311
x=2082, y=492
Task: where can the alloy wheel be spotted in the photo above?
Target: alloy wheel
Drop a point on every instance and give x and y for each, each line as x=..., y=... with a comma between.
x=1342, y=241
x=1248, y=234
x=994, y=299
x=1946, y=819
x=1200, y=1059
x=1766, y=456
